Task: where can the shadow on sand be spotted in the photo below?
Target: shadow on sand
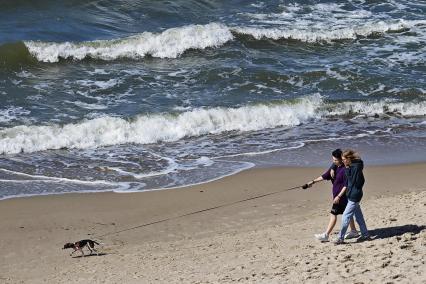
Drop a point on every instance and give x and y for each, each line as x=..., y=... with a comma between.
x=389, y=232
x=87, y=255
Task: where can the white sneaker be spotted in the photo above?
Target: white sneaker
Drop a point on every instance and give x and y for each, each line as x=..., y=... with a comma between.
x=322, y=237
x=352, y=234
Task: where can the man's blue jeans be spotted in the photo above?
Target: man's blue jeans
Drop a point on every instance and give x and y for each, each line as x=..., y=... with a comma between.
x=353, y=209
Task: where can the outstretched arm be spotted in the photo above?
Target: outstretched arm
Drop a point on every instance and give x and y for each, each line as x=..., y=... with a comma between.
x=312, y=182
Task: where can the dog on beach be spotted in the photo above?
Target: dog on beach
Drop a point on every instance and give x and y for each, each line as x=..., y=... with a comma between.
x=78, y=246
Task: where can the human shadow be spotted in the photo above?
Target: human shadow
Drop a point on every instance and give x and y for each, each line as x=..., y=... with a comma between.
x=88, y=255
x=389, y=232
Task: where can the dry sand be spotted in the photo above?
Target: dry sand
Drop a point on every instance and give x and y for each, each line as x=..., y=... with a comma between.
x=266, y=240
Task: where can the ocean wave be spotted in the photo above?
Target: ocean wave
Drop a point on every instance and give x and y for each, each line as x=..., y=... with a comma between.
x=13, y=55
x=383, y=107
x=327, y=35
x=147, y=129
x=168, y=44
x=175, y=41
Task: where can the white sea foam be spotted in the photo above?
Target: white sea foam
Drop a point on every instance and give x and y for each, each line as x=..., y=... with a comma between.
x=24, y=74
x=336, y=75
x=325, y=22
x=12, y=113
x=84, y=105
x=98, y=71
x=326, y=34
x=154, y=128
x=380, y=108
x=40, y=178
x=102, y=85
x=168, y=44
x=146, y=129
x=297, y=146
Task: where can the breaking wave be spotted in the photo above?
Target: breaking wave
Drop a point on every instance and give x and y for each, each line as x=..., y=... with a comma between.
x=175, y=41
x=328, y=35
x=146, y=129
x=408, y=109
x=168, y=44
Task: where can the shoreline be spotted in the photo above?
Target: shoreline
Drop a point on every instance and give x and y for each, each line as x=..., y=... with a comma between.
x=254, y=167
x=273, y=228
x=133, y=191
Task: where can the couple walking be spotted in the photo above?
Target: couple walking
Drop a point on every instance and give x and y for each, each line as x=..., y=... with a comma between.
x=346, y=175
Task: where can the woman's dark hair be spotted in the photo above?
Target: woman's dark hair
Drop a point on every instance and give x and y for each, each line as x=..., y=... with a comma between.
x=337, y=154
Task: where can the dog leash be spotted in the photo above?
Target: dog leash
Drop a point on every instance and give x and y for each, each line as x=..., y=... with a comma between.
x=203, y=210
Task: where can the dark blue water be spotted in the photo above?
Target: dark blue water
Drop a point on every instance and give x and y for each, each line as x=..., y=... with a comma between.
x=138, y=95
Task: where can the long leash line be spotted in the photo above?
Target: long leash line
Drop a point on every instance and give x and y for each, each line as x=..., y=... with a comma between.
x=200, y=211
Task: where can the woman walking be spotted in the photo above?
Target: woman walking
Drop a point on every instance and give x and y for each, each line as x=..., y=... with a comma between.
x=336, y=174
x=353, y=190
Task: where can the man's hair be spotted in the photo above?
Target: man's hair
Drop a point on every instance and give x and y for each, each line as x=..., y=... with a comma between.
x=337, y=154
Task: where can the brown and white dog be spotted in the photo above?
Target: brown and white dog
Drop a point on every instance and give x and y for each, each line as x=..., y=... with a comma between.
x=78, y=246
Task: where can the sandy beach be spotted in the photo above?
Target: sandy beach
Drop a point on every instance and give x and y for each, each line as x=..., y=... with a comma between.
x=265, y=240
x=178, y=136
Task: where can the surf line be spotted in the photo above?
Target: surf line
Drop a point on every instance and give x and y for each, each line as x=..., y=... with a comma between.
x=201, y=211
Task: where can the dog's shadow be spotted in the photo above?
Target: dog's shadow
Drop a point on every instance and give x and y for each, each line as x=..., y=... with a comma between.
x=389, y=232
x=87, y=255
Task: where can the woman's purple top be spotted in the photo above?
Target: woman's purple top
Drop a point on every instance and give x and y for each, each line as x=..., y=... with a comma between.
x=338, y=182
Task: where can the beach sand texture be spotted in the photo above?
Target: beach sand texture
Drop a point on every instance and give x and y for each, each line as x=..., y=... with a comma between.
x=266, y=240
